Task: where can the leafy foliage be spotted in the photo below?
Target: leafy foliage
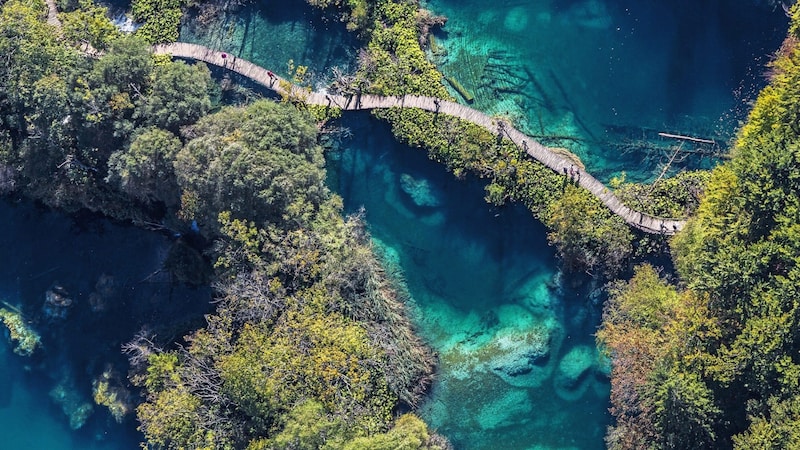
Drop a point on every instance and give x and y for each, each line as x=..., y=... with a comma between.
x=780, y=430
x=144, y=171
x=89, y=24
x=656, y=337
x=587, y=235
x=162, y=19
x=394, y=62
x=677, y=196
x=179, y=96
x=65, y=115
x=261, y=163
x=732, y=379
x=310, y=345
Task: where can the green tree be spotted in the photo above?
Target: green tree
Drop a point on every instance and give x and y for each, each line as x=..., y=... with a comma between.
x=684, y=409
x=307, y=426
x=408, y=433
x=162, y=19
x=89, y=24
x=35, y=101
x=118, y=79
x=171, y=419
x=144, y=171
x=178, y=96
x=260, y=163
x=659, y=340
x=587, y=234
x=777, y=431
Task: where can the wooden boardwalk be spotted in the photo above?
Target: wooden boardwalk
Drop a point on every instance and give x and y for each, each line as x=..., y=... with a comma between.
x=52, y=14
x=549, y=158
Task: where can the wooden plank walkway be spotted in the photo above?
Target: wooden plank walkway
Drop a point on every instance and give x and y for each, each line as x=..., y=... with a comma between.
x=52, y=14
x=549, y=158
x=260, y=75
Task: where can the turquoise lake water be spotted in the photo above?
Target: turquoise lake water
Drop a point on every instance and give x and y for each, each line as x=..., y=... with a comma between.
x=110, y=273
x=273, y=33
x=518, y=366
x=611, y=72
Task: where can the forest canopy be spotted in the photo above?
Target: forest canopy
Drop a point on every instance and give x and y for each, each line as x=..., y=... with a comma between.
x=715, y=362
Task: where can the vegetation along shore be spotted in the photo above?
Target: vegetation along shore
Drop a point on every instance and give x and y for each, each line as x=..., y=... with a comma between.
x=310, y=344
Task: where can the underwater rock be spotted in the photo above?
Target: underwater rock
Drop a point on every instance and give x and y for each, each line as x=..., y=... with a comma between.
x=420, y=191
x=556, y=283
x=56, y=302
x=27, y=338
x=516, y=352
x=589, y=14
x=575, y=364
x=544, y=18
x=506, y=410
x=104, y=290
x=516, y=20
x=107, y=390
x=187, y=264
x=97, y=303
x=517, y=357
x=539, y=297
x=106, y=285
x=72, y=405
x=571, y=378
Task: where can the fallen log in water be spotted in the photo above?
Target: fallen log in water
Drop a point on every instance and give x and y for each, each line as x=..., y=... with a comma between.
x=688, y=138
x=460, y=89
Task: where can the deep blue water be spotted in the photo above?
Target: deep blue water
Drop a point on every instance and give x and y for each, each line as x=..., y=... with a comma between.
x=112, y=275
x=487, y=296
x=611, y=72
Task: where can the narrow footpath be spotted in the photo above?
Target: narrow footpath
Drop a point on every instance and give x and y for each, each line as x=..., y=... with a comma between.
x=549, y=158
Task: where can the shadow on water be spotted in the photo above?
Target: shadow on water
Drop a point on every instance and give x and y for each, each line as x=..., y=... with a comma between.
x=113, y=278
x=518, y=364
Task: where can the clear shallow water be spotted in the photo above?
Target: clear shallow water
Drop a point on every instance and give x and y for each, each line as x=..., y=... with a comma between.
x=109, y=271
x=270, y=33
x=518, y=365
x=611, y=71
